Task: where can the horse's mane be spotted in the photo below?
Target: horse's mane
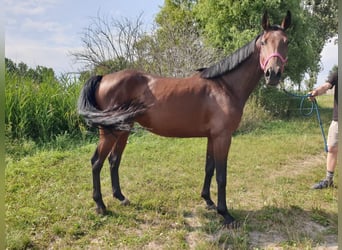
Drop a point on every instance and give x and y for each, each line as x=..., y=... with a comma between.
x=229, y=63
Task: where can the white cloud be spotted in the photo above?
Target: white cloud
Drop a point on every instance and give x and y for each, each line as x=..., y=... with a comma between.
x=39, y=26
x=29, y=17
x=28, y=7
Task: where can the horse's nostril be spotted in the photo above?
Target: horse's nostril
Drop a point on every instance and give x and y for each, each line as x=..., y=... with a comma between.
x=268, y=73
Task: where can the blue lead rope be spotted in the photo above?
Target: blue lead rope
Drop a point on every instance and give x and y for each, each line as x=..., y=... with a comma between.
x=314, y=106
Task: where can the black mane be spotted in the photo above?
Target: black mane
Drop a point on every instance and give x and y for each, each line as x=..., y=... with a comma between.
x=230, y=62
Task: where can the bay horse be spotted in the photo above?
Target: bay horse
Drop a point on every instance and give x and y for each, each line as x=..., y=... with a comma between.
x=208, y=104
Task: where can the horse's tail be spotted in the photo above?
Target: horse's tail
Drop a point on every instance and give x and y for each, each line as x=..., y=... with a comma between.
x=119, y=117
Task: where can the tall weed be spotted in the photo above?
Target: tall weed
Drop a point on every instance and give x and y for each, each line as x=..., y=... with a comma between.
x=41, y=111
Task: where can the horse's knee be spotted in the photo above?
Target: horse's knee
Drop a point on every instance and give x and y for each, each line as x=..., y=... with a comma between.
x=96, y=163
x=96, y=167
x=112, y=159
x=95, y=157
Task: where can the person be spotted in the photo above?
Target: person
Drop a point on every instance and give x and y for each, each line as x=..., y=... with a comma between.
x=332, y=142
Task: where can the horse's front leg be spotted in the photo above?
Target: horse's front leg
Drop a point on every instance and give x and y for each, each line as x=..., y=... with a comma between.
x=209, y=172
x=221, y=147
x=114, y=161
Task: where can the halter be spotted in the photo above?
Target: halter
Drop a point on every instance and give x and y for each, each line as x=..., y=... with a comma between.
x=282, y=59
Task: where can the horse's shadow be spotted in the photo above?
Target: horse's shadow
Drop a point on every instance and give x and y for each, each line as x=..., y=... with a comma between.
x=272, y=225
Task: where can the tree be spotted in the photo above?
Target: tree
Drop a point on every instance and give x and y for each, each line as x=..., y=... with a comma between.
x=109, y=44
x=10, y=66
x=326, y=14
x=175, y=48
x=229, y=24
x=22, y=69
x=38, y=75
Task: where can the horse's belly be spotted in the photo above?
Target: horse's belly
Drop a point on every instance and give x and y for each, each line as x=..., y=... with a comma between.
x=174, y=124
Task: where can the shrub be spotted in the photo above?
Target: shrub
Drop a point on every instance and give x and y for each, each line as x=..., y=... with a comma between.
x=277, y=102
x=266, y=104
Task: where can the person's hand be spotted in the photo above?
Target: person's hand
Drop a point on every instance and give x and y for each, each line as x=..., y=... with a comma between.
x=312, y=95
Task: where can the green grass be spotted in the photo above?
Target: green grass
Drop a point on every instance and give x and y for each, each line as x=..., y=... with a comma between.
x=271, y=170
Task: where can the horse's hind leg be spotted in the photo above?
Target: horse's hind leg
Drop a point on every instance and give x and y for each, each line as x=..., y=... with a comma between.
x=104, y=147
x=114, y=161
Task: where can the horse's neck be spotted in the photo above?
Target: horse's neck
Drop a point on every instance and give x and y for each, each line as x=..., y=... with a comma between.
x=243, y=80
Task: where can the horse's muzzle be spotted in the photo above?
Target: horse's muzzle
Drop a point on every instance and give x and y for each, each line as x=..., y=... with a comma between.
x=272, y=77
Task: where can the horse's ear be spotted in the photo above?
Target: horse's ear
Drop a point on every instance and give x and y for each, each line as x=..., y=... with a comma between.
x=265, y=22
x=286, y=21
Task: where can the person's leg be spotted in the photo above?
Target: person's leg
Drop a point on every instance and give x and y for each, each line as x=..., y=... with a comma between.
x=331, y=157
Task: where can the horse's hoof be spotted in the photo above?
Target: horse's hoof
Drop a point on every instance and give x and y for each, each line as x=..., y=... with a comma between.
x=125, y=202
x=232, y=225
x=211, y=207
x=101, y=210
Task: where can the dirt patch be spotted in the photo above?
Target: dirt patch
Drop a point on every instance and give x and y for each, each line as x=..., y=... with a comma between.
x=192, y=220
x=296, y=167
x=273, y=239
x=263, y=240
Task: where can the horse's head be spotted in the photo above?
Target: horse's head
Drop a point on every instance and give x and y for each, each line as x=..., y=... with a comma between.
x=273, y=44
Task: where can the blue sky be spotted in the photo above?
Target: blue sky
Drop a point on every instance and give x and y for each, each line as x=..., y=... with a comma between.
x=44, y=32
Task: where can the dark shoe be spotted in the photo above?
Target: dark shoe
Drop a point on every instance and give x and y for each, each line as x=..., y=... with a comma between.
x=323, y=184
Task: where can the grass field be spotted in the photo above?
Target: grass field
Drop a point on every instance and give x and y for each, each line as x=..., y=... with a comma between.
x=271, y=169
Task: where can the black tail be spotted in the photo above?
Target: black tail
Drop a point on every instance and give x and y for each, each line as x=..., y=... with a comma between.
x=118, y=117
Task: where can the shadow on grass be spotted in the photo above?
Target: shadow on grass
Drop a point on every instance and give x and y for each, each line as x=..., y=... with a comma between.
x=269, y=226
x=272, y=226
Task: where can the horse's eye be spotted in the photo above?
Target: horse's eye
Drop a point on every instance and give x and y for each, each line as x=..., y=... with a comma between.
x=286, y=41
x=263, y=42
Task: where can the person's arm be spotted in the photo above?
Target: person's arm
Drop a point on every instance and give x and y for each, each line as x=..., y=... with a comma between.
x=321, y=89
